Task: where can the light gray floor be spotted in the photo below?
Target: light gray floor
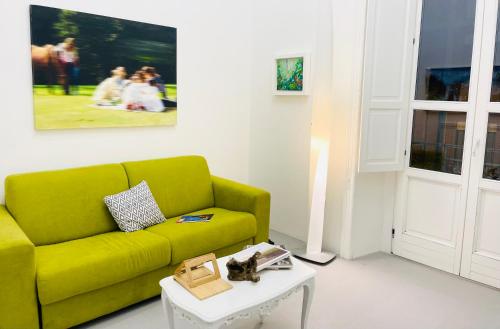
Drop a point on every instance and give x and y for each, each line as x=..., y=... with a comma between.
x=379, y=291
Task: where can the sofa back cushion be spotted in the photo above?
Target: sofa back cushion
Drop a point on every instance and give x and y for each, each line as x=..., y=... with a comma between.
x=179, y=185
x=63, y=205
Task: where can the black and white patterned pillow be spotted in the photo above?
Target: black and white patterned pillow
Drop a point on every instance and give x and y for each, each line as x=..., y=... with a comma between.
x=134, y=209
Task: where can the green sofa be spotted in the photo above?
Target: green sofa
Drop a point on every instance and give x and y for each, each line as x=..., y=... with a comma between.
x=63, y=260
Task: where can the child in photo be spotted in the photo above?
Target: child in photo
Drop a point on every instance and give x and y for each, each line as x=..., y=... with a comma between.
x=154, y=79
x=109, y=91
x=140, y=95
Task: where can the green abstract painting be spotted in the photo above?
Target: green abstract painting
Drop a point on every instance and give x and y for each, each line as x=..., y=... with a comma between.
x=290, y=74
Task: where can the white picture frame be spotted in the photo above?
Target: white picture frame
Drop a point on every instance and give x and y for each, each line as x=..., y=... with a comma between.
x=306, y=70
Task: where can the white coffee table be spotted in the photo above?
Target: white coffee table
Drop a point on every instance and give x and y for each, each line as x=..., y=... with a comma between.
x=244, y=300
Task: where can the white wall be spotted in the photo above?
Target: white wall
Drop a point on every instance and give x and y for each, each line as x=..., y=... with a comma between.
x=357, y=209
x=214, y=57
x=281, y=125
x=226, y=108
x=373, y=213
x=347, y=57
x=368, y=202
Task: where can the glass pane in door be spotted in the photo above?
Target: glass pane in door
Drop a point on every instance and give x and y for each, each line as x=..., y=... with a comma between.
x=437, y=141
x=445, y=52
x=491, y=166
x=495, y=81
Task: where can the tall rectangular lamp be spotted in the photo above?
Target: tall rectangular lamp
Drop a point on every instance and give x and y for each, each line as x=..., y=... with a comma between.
x=313, y=252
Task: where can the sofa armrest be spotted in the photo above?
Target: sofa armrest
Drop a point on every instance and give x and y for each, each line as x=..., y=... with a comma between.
x=18, y=304
x=240, y=197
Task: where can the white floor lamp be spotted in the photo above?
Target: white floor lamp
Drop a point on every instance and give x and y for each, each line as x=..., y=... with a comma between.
x=313, y=252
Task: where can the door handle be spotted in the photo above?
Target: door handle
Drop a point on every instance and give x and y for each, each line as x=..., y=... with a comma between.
x=476, y=147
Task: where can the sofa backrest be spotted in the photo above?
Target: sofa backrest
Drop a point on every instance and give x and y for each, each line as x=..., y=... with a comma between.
x=179, y=185
x=57, y=206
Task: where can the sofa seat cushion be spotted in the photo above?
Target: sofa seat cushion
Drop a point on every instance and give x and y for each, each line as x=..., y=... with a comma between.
x=75, y=267
x=190, y=240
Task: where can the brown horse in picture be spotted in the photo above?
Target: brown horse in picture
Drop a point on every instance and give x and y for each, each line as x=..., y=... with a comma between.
x=45, y=61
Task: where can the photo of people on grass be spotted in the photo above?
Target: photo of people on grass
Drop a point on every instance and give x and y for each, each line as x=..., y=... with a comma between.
x=94, y=71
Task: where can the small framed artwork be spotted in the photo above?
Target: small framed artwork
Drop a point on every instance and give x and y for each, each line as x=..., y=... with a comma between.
x=291, y=74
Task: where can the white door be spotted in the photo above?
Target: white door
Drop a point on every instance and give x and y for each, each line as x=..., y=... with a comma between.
x=481, y=247
x=432, y=189
x=448, y=195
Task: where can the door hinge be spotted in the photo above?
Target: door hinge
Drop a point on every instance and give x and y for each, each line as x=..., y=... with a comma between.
x=393, y=232
x=413, y=41
x=405, y=153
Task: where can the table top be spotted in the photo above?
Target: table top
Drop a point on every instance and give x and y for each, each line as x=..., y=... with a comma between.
x=243, y=295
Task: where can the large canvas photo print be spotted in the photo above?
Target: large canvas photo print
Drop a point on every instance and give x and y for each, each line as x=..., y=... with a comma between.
x=93, y=71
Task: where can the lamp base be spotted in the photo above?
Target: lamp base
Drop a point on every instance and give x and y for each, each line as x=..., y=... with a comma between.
x=320, y=258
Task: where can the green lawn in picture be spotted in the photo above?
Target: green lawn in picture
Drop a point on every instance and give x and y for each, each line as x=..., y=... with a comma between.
x=54, y=110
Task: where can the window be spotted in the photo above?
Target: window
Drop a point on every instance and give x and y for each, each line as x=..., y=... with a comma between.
x=445, y=51
x=491, y=166
x=437, y=141
x=495, y=81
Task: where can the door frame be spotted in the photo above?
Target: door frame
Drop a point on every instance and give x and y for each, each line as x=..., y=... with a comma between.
x=436, y=250
x=471, y=257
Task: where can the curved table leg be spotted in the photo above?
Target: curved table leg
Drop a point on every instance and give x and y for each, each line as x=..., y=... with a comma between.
x=169, y=311
x=306, y=302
